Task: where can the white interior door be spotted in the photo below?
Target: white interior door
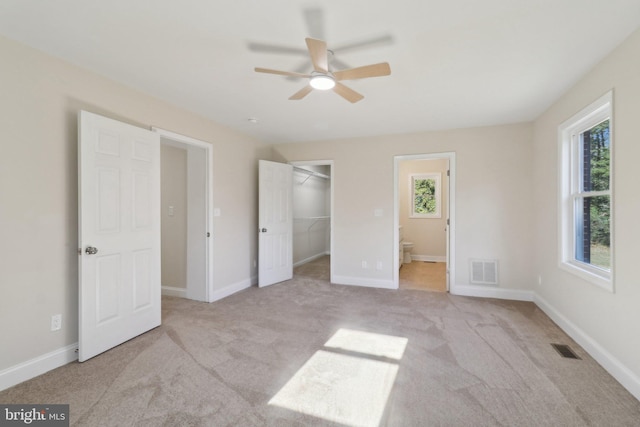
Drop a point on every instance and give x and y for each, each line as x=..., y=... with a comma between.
x=275, y=223
x=119, y=232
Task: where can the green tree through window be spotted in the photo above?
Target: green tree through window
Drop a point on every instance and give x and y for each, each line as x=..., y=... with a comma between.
x=425, y=196
x=594, y=242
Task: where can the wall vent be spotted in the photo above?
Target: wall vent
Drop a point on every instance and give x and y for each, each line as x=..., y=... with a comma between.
x=484, y=272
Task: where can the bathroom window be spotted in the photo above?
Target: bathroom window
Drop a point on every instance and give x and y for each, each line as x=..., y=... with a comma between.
x=425, y=195
x=586, y=192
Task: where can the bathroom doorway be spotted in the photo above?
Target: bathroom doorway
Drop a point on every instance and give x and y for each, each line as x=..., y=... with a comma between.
x=312, y=218
x=424, y=221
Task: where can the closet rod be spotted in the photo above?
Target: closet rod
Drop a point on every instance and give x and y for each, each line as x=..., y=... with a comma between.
x=312, y=173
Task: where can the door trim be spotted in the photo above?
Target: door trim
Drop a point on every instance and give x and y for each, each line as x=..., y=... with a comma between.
x=183, y=139
x=331, y=213
x=451, y=156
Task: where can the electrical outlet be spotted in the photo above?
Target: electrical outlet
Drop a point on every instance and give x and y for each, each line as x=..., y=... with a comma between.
x=379, y=265
x=365, y=264
x=56, y=322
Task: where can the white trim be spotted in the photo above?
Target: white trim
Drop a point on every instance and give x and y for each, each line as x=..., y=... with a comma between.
x=233, y=288
x=331, y=214
x=492, y=292
x=37, y=366
x=617, y=369
x=428, y=258
x=176, y=137
x=451, y=156
x=172, y=291
x=363, y=281
x=309, y=259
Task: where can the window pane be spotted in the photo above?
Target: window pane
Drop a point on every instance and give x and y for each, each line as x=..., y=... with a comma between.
x=425, y=196
x=595, y=158
x=593, y=245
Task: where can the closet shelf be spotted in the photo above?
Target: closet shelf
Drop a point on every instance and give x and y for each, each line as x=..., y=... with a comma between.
x=310, y=173
x=315, y=220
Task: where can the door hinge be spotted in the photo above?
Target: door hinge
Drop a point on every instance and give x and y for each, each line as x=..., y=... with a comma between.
x=447, y=221
x=448, y=172
x=208, y=234
x=79, y=251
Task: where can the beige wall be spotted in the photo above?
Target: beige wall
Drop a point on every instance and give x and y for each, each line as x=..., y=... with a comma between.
x=493, y=201
x=427, y=234
x=607, y=320
x=40, y=100
x=173, y=178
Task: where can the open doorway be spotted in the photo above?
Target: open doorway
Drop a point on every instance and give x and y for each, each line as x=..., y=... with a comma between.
x=312, y=218
x=424, y=213
x=186, y=216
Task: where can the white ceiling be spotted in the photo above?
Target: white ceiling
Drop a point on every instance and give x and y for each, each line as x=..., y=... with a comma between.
x=455, y=63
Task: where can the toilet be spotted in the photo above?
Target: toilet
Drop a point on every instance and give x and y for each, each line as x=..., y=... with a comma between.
x=406, y=249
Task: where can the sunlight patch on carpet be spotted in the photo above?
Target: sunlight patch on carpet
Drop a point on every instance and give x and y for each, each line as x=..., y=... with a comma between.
x=345, y=388
x=368, y=343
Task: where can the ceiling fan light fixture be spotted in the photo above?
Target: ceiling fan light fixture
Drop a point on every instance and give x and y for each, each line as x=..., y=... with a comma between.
x=322, y=82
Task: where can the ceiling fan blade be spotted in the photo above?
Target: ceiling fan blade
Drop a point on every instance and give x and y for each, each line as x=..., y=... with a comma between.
x=373, y=70
x=301, y=93
x=347, y=93
x=314, y=17
x=282, y=73
x=377, y=41
x=318, y=52
x=271, y=48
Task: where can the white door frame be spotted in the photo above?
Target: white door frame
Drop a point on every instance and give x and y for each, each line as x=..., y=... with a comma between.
x=208, y=148
x=331, y=227
x=451, y=156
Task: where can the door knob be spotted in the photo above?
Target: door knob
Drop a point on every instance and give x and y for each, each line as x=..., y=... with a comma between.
x=91, y=250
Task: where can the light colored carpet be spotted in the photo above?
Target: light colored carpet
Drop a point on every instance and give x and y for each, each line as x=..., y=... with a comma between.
x=425, y=276
x=305, y=352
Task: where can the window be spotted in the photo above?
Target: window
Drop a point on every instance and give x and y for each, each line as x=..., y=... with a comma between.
x=425, y=196
x=585, y=193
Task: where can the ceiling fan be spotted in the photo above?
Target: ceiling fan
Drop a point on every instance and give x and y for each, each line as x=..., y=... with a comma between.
x=321, y=78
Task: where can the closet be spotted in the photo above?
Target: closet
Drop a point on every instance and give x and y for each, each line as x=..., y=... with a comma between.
x=311, y=213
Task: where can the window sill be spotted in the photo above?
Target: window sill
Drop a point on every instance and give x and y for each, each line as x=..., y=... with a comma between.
x=595, y=276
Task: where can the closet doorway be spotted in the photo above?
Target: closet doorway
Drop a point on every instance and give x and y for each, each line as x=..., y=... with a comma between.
x=312, y=218
x=424, y=221
x=186, y=216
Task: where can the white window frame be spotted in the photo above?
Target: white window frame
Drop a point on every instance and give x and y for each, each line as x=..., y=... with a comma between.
x=437, y=177
x=569, y=156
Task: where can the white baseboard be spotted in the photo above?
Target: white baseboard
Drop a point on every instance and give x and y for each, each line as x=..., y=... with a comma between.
x=362, y=281
x=429, y=258
x=309, y=259
x=620, y=372
x=232, y=289
x=172, y=291
x=491, y=292
x=37, y=366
